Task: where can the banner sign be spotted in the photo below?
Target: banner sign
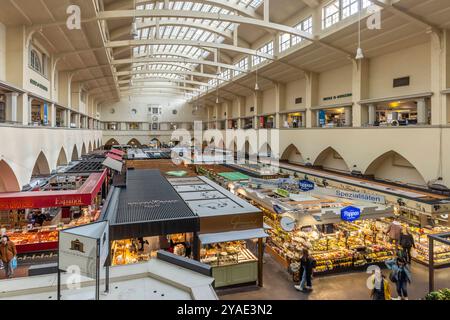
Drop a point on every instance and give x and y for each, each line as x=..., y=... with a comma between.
x=45, y=113
x=322, y=120
x=306, y=185
x=350, y=213
x=352, y=195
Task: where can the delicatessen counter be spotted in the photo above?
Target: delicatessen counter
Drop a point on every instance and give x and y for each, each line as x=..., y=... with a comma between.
x=350, y=246
x=45, y=238
x=232, y=263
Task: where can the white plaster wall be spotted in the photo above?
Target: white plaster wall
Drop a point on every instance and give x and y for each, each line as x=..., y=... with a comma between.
x=21, y=147
x=249, y=102
x=295, y=89
x=413, y=62
x=335, y=82
x=2, y=52
x=141, y=104
x=268, y=104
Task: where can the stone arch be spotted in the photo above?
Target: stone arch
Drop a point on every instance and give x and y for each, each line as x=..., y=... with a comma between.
x=95, y=144
x=330, y=159
x=99, y=145
x=292, y=155
x=83, y=149
x=393, y=167
x=90, y=147
x=75, y=156
x=8, y=180
x=62, y=158
x=134, y=143
x=41, y=166
x=265, y=151
x=111, y=142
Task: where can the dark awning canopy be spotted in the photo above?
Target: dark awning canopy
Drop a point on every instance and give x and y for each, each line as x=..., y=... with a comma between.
x=148, y=206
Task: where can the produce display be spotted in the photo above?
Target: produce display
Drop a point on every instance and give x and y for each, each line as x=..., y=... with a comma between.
x=443, y=294
x=441, y=251
x=350, y=246
x=226, y=254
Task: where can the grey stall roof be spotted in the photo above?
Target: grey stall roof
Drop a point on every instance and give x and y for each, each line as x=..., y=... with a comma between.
x=149, y=206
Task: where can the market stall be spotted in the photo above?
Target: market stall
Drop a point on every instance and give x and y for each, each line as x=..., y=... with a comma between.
x=147, y=215
x=315, y=222
x=227, y=224
x=65, y=201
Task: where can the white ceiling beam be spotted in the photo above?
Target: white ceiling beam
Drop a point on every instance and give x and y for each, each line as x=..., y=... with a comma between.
x=163, y=71
x=165, y=79
x=224, y=4
x=274, y=27
x=177, y=60
x=312, y=3
x=203, y=44
x=389, y=6
x=127, y=88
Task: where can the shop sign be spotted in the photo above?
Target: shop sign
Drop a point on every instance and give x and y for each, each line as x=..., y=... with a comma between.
x=341, y=96
x=306, y=185
x=353, y=195
x=350, y=213
x=322, y=117
x=282, y=192
x=37, y=84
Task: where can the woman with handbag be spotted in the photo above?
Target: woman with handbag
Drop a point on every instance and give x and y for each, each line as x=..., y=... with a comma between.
x=400, y=275
x=8, y=254
x=407, y=243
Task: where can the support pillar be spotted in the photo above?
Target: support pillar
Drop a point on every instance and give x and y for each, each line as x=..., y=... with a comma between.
x=372, y=114
x=348, y=116
x=360, y=91
x=11, y=106
x=52, y=115
x=257, y=98
x=312, y=98
x=280, y=104
x=422, y=114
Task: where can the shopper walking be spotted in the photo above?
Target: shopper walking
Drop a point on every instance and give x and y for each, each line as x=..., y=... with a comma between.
x=307, y=265
x=400, y=275
x=8, y=253
x=394, y=231
x=407, y=242
x=381, y=289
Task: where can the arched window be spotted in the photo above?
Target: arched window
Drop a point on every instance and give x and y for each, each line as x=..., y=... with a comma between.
x=35, y=61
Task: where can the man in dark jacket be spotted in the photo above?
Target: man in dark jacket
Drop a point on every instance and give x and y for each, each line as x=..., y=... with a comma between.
x=307, y=265
x=7, y=253
x=407, y=242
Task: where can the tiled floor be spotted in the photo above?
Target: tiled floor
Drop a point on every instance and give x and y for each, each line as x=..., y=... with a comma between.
x=350, y=286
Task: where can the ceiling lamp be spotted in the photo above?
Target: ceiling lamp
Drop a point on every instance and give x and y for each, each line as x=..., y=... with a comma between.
x=257, y=84
x=359, y=51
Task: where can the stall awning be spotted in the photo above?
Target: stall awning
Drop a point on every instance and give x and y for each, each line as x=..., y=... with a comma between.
x=114, y=156
x=210, y=238
x=118, y=152
x=113, y=164
x=84, y=196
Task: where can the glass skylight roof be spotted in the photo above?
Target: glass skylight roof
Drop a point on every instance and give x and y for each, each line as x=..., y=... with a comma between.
x=187, y=29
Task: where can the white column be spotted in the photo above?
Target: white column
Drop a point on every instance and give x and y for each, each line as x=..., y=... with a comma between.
x=11, y=106
x=30, y=100
x=422, y=117
x=372, y=114
x=258, y=108
x=318, y=118
x=68, y=118
x=53, y=115
x=312, y=98
x=348, y=117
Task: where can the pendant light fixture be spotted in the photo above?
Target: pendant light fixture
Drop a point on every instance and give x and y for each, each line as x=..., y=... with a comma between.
x=359, y=51
x=257, y=84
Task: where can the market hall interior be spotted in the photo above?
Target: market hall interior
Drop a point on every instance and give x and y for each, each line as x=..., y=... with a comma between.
x=355, y=89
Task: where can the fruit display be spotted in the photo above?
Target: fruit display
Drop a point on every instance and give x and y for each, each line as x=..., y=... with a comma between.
x=441, y=251
x=443, y=294
x=350, y=246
